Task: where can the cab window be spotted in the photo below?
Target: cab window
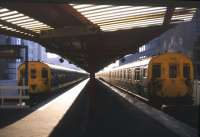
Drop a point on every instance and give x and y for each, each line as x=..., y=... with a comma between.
x=173, y=70
x=156, y=71
x=44, y=73
x=186, y=71
x=33, y=73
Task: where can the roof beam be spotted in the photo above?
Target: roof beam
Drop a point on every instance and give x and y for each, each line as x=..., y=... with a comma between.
x=69, y=31
x=168, y=15
x=72, y=11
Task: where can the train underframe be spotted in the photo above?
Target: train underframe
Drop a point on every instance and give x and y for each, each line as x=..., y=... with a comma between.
x=43, y=95
x=154, y=99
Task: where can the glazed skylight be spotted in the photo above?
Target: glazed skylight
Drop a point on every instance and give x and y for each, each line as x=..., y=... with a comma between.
x=112, y=18
x=21, y=20
x=183, y=14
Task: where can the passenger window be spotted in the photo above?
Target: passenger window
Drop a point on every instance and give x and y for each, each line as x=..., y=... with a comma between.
x=156, y=71
x=33, y=73
x=173, y=70
x=137, y=74
x=44, y=73
x=186, y=71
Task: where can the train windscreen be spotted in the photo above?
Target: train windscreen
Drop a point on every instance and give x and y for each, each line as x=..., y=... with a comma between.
x=156, y=71
x=33, y=73
x=44, y=73
x=186, y=71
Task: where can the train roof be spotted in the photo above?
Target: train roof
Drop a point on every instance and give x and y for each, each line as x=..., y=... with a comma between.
x=64, y=68
x=57, y=67
x=140, y=62
x=145, y=61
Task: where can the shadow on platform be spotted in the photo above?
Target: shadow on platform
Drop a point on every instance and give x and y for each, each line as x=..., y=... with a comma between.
x=98, y=112
x=75, y=121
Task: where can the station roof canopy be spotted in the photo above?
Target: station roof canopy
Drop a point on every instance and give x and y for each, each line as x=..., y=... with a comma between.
x=92, y=35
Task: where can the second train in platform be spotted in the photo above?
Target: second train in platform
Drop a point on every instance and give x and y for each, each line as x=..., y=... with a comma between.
x=163, y=79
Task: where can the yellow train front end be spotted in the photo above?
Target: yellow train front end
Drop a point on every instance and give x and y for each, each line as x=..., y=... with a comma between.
x=170, y=78
x=39, y=76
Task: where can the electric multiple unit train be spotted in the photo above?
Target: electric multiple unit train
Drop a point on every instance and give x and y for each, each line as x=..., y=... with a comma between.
x=163, y=79
x=44, y=78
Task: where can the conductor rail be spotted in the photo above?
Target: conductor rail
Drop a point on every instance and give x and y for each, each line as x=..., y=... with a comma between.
x=13, y=101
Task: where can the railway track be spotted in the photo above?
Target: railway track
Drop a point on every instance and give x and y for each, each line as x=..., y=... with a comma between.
x=187, y=114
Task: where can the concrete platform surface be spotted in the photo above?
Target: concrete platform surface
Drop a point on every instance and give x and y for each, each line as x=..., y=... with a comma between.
x=42, y=121
x=116, y=117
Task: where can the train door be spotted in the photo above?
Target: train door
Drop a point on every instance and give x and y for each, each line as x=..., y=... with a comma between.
x=145, y=81
x=173, y=70
x=124, y=74
x=32, y=80
x=156, y=71
x=155, y=85
x=188, y=77
x=175, y=84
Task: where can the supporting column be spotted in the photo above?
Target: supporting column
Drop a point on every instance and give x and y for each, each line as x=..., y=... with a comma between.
x=92, y=96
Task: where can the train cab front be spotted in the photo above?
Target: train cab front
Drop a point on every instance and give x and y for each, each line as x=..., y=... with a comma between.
x=170, y=81
x=38, y=77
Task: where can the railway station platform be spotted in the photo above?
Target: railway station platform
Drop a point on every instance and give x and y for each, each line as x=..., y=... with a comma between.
x=75, y=114
x=42, y=120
